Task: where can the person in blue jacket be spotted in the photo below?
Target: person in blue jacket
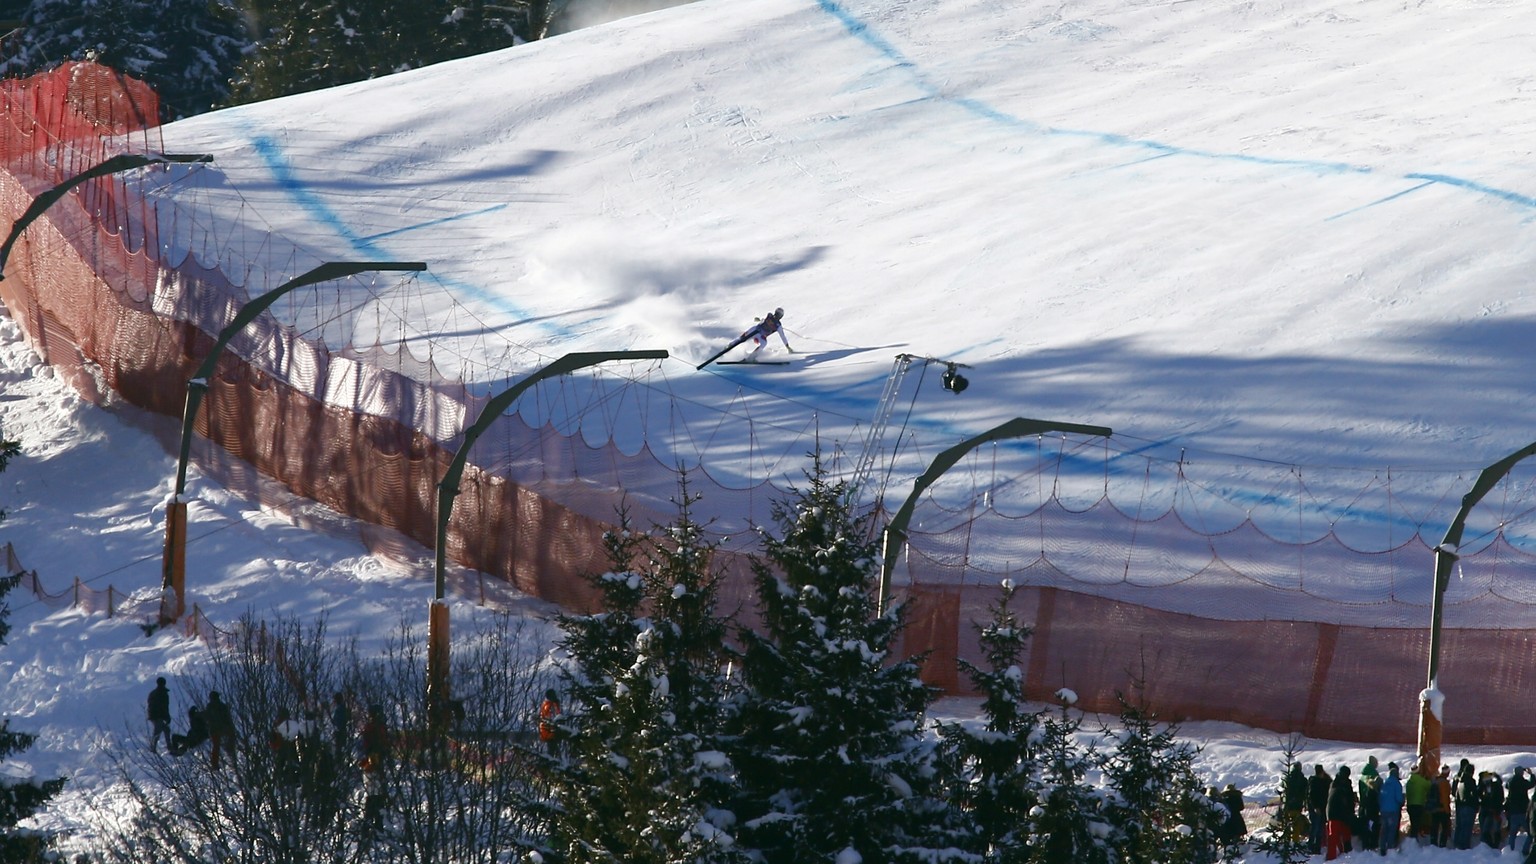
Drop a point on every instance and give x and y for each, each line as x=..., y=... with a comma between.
x=1391, y=799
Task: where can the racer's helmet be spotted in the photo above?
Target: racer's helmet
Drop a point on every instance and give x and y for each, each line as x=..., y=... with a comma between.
x=779, y=312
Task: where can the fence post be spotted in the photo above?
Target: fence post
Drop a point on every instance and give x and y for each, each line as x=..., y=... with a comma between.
x=1327, y=641
x=1040, y=643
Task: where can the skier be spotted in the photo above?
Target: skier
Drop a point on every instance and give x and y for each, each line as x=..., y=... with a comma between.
x=769, y=325
x=766, y=326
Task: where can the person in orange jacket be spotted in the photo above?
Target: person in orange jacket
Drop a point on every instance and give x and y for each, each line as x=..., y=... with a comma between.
x=549, y=710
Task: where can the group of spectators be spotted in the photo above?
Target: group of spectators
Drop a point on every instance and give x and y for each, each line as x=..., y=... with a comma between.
x=1339, y=814
x=293, y=739
x=211, y=722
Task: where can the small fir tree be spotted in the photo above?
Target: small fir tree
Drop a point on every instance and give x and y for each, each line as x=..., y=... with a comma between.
x=1285, y=837
x=995, y=769
x=645, y=777
x=1068, y=823
x=1158, y=808
x=831, y=749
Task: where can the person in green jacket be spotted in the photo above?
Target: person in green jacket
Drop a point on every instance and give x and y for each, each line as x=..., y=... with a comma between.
x=1416, y=792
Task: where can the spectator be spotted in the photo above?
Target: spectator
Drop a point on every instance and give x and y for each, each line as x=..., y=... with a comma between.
x=1517, y=801
x=1233, y=828
x=375, y=741
x=197, y=732
x=1293, y=803
x=159, y=716
x=1416, y=795
x=1368, y=824
x=283, y=740
x=1490, y=808
x=1530, y=819
x=1317, y=808
x=221, y=727
x=341, y=724
x=1464, y=799
x=1391, y=803
x=549, y=712
x=1341, y=814
x=1438, y=808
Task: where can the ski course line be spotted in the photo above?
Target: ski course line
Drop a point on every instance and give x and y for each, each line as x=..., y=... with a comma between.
x=274, y=157
x=861, y=30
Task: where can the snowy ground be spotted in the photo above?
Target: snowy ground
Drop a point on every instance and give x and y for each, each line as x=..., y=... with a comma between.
x=1265, y=233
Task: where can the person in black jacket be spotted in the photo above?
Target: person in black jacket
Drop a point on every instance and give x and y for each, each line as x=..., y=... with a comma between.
x=197, y=732
x=1464, y=798
x=1234, y=827
x=1517, y=801
x=1317, y=808
x=159, y=716
x=1490, y=809
x=1341, y=813
x=221, y=728
x=1293, y=803
x=1530, y=819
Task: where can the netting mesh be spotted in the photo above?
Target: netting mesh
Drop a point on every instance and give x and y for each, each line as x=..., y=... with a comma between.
x=1316, y=630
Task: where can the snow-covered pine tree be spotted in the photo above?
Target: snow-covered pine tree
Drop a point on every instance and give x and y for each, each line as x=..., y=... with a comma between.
x=19, y=799
x=994, y=769
x=1068, y=824
x=596, y=649
x=645, y=776
x=831, y=750
x=1157, y=806
x=187, y=50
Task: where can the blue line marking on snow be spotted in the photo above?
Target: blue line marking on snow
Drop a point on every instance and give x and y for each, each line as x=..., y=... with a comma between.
x=1512, y=197
x=862, y=31
x=432, y=223
x=273, y=156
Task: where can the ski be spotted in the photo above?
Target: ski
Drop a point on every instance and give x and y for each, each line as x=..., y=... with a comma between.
x=752, y=363
x=721, y=353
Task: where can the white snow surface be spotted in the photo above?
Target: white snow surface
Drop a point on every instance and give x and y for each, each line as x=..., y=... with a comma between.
x=1297, y=232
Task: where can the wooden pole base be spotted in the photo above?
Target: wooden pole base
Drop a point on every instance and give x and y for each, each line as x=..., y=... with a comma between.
x=173, y=597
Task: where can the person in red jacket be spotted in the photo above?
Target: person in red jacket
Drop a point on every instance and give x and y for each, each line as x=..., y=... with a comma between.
x=1341, y=813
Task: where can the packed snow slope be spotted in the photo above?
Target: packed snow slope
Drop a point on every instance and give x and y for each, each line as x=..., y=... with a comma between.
x=1298, y=231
